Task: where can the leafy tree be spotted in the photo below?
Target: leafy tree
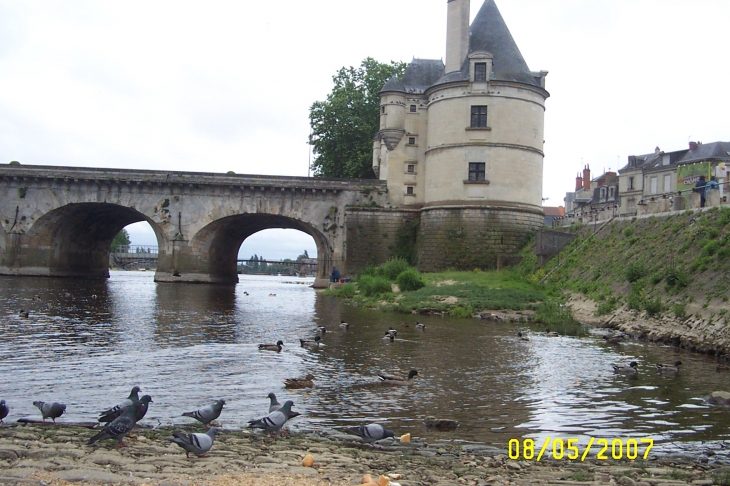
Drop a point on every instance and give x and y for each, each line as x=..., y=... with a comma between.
x=121, y=239
x=344, y=124
x=303, y=256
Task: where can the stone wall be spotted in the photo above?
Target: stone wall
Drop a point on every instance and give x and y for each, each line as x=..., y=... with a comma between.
x=469, y=238
x=372, y=235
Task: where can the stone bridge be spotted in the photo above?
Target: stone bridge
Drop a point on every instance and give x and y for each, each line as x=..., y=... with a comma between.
x=60, y=221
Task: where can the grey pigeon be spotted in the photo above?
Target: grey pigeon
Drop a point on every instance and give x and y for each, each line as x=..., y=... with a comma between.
x=275, y=405
x=274, y=421
x=198, y=444
x=370, y=433
x=50, y=410
x=4, y=410
x=207, y=414
x=118, y=409
x=142, y=407
x=119, y=427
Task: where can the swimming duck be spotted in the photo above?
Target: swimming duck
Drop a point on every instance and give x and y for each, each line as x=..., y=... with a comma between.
x=272, y=347
x=24, y=313
x=389, y=337
x=296, y=383
x=626, y=370
x=404, y=324
x=344, y=325
x=523, y=338
x=420, y=326
x=397, y=379
x=550, y=333
x=614, y=339
x=392, y=331
x=312, y=343
x=668, y=368
x=321, y=330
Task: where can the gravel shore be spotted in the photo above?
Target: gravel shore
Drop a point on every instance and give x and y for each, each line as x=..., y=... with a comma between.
x=57, y=454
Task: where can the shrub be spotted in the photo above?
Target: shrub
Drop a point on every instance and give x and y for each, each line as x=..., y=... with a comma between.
x=606, y=307
x=553, y=314
x=461, y=312
x=675, y=278
x=373, y=285
x=410, y=279
x=628, y=231
x=635, y=301
x=653, y=306
x=679, y=311
x=392, y=268
x=635, y=271
x=347, y=291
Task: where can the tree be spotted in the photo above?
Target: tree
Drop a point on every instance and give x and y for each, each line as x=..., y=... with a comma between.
x=121, y=239
x=343, y=126
x=303, y=256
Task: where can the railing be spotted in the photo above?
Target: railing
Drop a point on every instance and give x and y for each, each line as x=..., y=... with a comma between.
x=138, y=250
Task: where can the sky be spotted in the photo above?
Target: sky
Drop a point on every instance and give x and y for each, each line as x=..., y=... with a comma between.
x=227, y=85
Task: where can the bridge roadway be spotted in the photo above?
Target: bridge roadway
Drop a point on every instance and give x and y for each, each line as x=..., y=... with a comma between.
x=60, y=221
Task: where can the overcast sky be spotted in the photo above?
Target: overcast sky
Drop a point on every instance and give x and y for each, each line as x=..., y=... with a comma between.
x=226, y=85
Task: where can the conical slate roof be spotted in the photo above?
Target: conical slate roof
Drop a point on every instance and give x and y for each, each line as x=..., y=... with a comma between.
x=489, y=33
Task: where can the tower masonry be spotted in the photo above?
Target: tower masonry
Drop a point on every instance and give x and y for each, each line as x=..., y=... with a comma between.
x=460, y=144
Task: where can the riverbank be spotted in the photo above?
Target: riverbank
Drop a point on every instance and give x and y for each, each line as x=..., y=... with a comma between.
x=58, y=454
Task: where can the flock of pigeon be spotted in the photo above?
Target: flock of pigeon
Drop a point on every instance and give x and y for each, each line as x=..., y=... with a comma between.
x=121, y=419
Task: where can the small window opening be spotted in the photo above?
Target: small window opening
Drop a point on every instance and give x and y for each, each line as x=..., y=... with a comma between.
x=479, y=116
x=409, y=190
x=480, y=71
x=411, y=168
x=413, y=108
x=476, y=171
x=411, y=140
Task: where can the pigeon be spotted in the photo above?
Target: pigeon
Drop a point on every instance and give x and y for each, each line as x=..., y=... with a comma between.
x=207, y=414
x=4, y=411
x=117, y=410
x=120, y=426
x=397, y=379
x=273, y=422
x=370, y=433
x=198, y=444
x=50, y=410
x=312, y=343
x=142, y=407
x=626, y=370
x=275, y=405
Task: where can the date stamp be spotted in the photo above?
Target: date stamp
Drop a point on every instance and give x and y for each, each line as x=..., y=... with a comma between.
x=570, y=449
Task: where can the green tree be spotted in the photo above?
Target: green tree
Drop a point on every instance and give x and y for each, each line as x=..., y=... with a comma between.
x=122, y=238
x=303, y=256
x=344, y=124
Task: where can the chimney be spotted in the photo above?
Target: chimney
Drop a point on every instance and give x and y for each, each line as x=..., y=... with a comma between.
x=587, y=178
x=578, y=182
x=457, y=34
x=657, y=150
x=692, y=145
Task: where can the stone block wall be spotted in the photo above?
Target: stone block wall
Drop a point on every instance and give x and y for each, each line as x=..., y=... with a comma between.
x=469, y=238
x=373, y=235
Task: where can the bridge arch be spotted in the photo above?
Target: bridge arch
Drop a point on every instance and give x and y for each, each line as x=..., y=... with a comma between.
x=74, y=240
x=214, y=247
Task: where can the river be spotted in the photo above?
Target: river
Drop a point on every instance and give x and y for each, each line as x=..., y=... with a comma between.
x=87, y=342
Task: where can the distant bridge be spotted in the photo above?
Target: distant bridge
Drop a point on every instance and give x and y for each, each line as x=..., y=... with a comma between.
x=60, y=221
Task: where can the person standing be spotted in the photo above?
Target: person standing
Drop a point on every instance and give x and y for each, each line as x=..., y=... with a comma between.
x=700, y=187
x=335, y=275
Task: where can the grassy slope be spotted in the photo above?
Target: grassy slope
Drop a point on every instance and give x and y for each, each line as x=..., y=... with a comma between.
x=679, y=264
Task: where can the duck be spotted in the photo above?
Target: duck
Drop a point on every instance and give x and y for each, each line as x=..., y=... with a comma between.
x=626, y=370
x=297, y=383
x=392, y=331
x=272, y=347
x=387, y=379
x=420, y=325
x=389, y=337
x=668, y=368
x=320, y=330
x=272, y=295
x=24, y=313
x=344, y=325
x=614, y=339
x=312, y=343
x=521, y=337
x=550, y=333
x=245, y=293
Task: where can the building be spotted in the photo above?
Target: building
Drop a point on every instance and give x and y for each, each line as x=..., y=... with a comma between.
x=665, y=175
x=461, y=143
x=553, y=213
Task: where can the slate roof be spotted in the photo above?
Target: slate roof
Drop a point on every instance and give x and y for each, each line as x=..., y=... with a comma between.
x=704, y=151
x=420, y=74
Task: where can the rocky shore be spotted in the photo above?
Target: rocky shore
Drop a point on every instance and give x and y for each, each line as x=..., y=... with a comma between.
x=37, y=454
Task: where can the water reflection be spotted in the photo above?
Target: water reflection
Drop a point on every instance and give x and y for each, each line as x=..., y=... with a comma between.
x=87, y=343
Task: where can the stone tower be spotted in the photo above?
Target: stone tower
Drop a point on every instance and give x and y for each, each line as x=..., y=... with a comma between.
x=462, y=144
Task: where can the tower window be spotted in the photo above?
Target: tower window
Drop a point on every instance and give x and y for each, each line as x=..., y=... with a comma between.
x=478, y=116
x=411, y=140
x=382, y=109
x=413, y=108
x=411, y=168
x=480, y=71
x=631, y=183
x=476, y=171
x=409, y=190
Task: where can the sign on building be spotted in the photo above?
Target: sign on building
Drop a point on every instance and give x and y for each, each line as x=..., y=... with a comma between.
x=689, y=174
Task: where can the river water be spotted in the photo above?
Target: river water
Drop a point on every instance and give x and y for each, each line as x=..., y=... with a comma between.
x=87, y=342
